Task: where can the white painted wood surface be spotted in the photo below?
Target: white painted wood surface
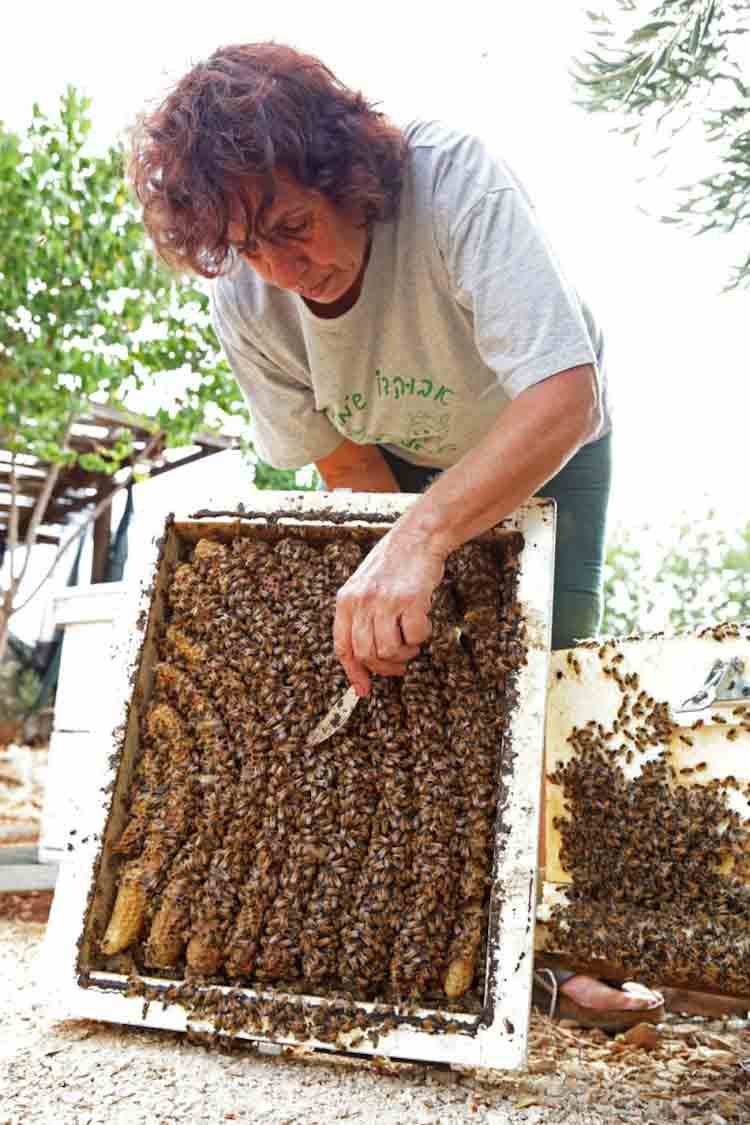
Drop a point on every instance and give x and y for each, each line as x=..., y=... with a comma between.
x=80, y=605
x=20, y=872
x=85, y=689
x=70, y=793
x=502, y=1042
x=83, y=709
x=670, y=669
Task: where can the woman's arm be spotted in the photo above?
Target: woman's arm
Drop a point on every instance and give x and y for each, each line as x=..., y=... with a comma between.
x=531, y=441
x=381, y=615
x=363, y=468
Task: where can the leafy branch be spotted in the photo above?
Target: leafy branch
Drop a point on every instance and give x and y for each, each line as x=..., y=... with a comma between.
x=661, y=69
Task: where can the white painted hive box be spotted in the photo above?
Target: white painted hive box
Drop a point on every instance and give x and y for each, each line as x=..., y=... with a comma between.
x=648, y=810
x=84, y=706
x=495, y=1035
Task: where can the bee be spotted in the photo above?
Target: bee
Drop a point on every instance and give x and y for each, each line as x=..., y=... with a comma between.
x=266, y=892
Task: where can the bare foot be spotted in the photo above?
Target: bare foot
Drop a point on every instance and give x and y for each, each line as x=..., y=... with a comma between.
x=595, y=994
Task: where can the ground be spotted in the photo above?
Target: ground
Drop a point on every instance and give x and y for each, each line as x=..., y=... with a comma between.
x=23, y=772
x=87, y=1073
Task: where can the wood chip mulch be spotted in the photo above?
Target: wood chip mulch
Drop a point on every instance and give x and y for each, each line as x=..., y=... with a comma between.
x=26, y=906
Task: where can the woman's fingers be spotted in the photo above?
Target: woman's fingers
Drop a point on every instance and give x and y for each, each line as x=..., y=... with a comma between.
x=382, y=610
x=389, y=642
x=361, y=652
x=416, y=627
x=377, y=644
x=356, y=672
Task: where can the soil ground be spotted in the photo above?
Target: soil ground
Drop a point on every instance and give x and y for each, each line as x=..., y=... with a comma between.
x=86, y=1073
x=23, y=771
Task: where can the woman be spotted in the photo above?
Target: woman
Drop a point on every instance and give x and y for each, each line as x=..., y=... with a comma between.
x=394, y=314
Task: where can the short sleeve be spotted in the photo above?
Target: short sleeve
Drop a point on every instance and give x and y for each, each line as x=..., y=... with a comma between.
x=528, y=321
x=288, y=431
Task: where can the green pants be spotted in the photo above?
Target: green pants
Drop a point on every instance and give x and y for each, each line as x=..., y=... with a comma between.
x=581, y=491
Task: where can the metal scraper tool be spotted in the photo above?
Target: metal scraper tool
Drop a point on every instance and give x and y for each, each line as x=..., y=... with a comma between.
x=336, y=718
x=339, y=714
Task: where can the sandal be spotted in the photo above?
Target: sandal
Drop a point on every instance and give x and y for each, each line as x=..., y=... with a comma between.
x=547, y=996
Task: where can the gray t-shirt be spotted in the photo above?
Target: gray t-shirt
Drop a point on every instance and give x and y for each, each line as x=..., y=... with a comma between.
x=463, y=306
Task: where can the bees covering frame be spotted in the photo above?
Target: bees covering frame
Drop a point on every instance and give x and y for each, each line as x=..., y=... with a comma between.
x=403, y=1022
x=648, y=815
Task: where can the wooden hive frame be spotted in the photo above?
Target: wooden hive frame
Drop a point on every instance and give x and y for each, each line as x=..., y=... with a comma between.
x=669, y=669
x=498, y=1039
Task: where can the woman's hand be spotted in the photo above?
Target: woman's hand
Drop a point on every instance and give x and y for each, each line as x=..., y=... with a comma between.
x=382, y=611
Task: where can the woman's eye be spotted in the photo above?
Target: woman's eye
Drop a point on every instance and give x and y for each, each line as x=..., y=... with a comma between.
x=295, y=226
x=291, y=228
x=248, y=249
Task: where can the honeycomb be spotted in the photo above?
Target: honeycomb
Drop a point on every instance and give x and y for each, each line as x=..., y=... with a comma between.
x=358, y=867
x=660, y=865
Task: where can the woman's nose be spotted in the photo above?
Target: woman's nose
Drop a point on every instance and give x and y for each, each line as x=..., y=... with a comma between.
x=288, y=266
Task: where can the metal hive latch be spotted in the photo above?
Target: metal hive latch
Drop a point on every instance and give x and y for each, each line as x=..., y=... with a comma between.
x=724, y=684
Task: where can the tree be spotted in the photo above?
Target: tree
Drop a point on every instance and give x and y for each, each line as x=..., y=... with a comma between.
x=664, y=67
x=677, y=578
x=87, y=314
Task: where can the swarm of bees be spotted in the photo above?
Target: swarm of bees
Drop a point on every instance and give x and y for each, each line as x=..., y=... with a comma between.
x=359, y=867
x=659, y=868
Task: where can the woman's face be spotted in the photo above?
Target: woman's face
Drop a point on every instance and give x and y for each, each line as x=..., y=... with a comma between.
x=309, y=246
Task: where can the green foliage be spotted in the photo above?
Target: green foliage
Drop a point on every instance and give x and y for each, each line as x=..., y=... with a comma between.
x=85, y=310
x=663, y=66
x=678, y=578
x=267, y=477
x=87, y=314
x=19, y=688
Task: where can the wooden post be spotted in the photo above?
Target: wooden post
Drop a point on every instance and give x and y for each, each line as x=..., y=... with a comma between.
x=102, y=533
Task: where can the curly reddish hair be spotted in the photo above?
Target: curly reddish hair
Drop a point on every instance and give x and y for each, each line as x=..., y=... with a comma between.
x=246, y=112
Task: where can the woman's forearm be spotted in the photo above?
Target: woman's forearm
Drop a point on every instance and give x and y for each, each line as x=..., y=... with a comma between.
x=531, y=441
x=382, y=611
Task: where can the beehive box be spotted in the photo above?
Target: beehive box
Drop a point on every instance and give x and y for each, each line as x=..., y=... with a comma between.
x=648, y=811
x=374, y=893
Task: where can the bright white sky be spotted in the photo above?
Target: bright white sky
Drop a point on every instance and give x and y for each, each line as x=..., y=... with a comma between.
x=677, y=348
